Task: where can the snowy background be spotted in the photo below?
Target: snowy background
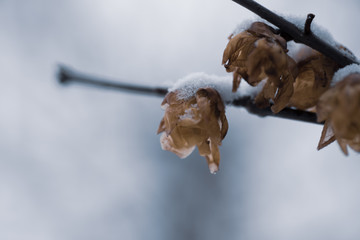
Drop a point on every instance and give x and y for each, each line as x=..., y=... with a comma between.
x=85, y=163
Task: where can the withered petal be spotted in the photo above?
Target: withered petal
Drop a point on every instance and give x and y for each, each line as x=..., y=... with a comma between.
x=236, y=81
x=263, y=30
x=204, y=148
x=224, y=125
x=343, y=145
x=168, y=145
x=284, y=94
x=213, y=159
x=340, y=107
x=267, y=59
x=327, y=136
x=313, y=79
x=161, y=126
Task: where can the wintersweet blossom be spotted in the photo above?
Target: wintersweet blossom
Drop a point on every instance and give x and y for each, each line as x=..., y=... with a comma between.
x=258, y=54
x=339, y=107
x=315, y=76
x=197, y=121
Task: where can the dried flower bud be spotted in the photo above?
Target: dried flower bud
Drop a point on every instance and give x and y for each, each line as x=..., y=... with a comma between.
x=198, y=121
x=256, y=54
x=269, y=60
x=235, y=55
x=340, y=108
x=313, y=79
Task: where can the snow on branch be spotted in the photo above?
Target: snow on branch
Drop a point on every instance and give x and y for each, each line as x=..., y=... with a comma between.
x=344, y=72
x=188, y=86
x=291, y=31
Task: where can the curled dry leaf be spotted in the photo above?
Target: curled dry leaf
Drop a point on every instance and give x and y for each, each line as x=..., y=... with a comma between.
x=313, y=79
x=198, y=121
x=257, y=54
x=340, y=108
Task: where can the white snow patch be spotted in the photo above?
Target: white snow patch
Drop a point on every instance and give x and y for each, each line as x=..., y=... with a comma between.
x=188, y=114
x=188, y=86
x=348, y=54
x=319, y=31
x=294, y=48
x=244, y=25
x=298, y=21
x=344, y=72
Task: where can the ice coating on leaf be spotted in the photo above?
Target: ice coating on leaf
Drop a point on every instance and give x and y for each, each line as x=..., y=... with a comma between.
x=187, y=86
x=344, y=72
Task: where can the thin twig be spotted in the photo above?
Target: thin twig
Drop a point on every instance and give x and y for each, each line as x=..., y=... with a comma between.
x=297, y=34
x=286, y=113
x=309, y=19
x=67, y=75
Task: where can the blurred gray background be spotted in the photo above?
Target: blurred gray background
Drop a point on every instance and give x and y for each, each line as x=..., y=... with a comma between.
x=85, y=163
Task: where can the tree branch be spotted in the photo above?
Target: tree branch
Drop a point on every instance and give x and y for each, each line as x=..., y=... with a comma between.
x=296, y=34
x=66, y=75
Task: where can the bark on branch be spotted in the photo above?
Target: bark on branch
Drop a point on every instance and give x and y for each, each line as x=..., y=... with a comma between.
x=298, y=35
x=67, y=75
